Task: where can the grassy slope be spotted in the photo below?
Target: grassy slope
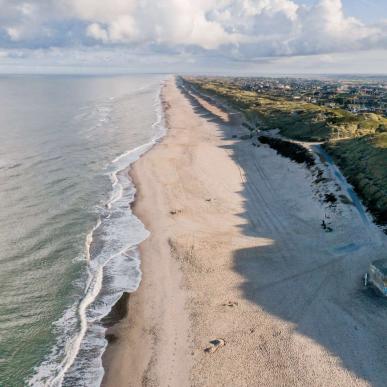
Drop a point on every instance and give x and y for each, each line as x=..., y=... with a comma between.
x=295, y=119
x=364, y=161
x=356, y=142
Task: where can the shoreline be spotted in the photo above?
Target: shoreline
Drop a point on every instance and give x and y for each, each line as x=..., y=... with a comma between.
x=237, y=253
x=125, y=327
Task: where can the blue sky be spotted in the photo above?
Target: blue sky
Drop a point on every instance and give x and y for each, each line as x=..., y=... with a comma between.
x=366, y=10
x=206, y=36
x=369, y=11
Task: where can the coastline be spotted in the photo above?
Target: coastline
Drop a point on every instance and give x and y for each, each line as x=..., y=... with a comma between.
x=134, y=325
x=109, y=257
x=237, y=253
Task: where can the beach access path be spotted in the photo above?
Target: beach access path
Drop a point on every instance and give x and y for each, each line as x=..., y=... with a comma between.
x=237, y=253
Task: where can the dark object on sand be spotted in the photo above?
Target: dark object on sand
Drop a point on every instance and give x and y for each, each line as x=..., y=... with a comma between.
x=320, y=176
x=174, y=212
x=376, y=276
x=330, y=198
x=234, y=136
x=325, y=226
x=215, y=345
x=230, y=303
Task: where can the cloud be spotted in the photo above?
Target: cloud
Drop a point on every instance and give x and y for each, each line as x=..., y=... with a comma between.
x=233, y=29
x=167, y=22
x=95, y=31
x=325, y=28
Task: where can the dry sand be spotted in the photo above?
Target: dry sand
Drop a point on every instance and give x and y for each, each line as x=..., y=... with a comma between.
x=237, y=253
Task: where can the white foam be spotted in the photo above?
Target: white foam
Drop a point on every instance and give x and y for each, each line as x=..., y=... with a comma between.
x=73, y=346
x=89, y=239
x=117, y=262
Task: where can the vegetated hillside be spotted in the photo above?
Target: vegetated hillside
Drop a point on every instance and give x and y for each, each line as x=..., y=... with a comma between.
x=295, y=119
x=358, y=143
x=364, y=161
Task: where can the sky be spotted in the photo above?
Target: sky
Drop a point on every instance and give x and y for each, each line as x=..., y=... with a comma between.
x=194, y=36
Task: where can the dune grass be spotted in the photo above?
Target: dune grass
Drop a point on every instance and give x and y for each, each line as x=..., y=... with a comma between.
x=358, y=143
x=295, y=119
x=364, y=161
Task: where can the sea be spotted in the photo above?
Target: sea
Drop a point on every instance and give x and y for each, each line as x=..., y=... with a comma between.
x=68, y=237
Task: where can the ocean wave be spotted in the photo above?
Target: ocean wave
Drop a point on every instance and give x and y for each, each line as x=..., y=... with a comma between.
x=112, y=268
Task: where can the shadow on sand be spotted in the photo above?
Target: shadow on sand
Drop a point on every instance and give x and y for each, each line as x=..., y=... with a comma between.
x=319, y=293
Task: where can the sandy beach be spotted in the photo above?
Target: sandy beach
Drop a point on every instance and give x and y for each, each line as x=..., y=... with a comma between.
x=237, y=254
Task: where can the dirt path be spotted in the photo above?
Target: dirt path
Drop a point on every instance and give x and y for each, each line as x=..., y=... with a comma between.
x=237, y=253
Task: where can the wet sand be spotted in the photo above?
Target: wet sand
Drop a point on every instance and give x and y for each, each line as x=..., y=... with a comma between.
x=237, y=253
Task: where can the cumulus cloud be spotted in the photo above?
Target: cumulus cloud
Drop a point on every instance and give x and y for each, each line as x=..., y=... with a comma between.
x=325, y=28
x=170, y=22
x=236, y=29
x=95, y=31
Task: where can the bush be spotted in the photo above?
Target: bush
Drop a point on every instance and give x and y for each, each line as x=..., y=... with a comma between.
x=289, y=149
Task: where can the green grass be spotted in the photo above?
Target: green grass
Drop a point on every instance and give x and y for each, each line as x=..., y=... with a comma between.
x=358, y=143
x=364, y=161
x=295, y=119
